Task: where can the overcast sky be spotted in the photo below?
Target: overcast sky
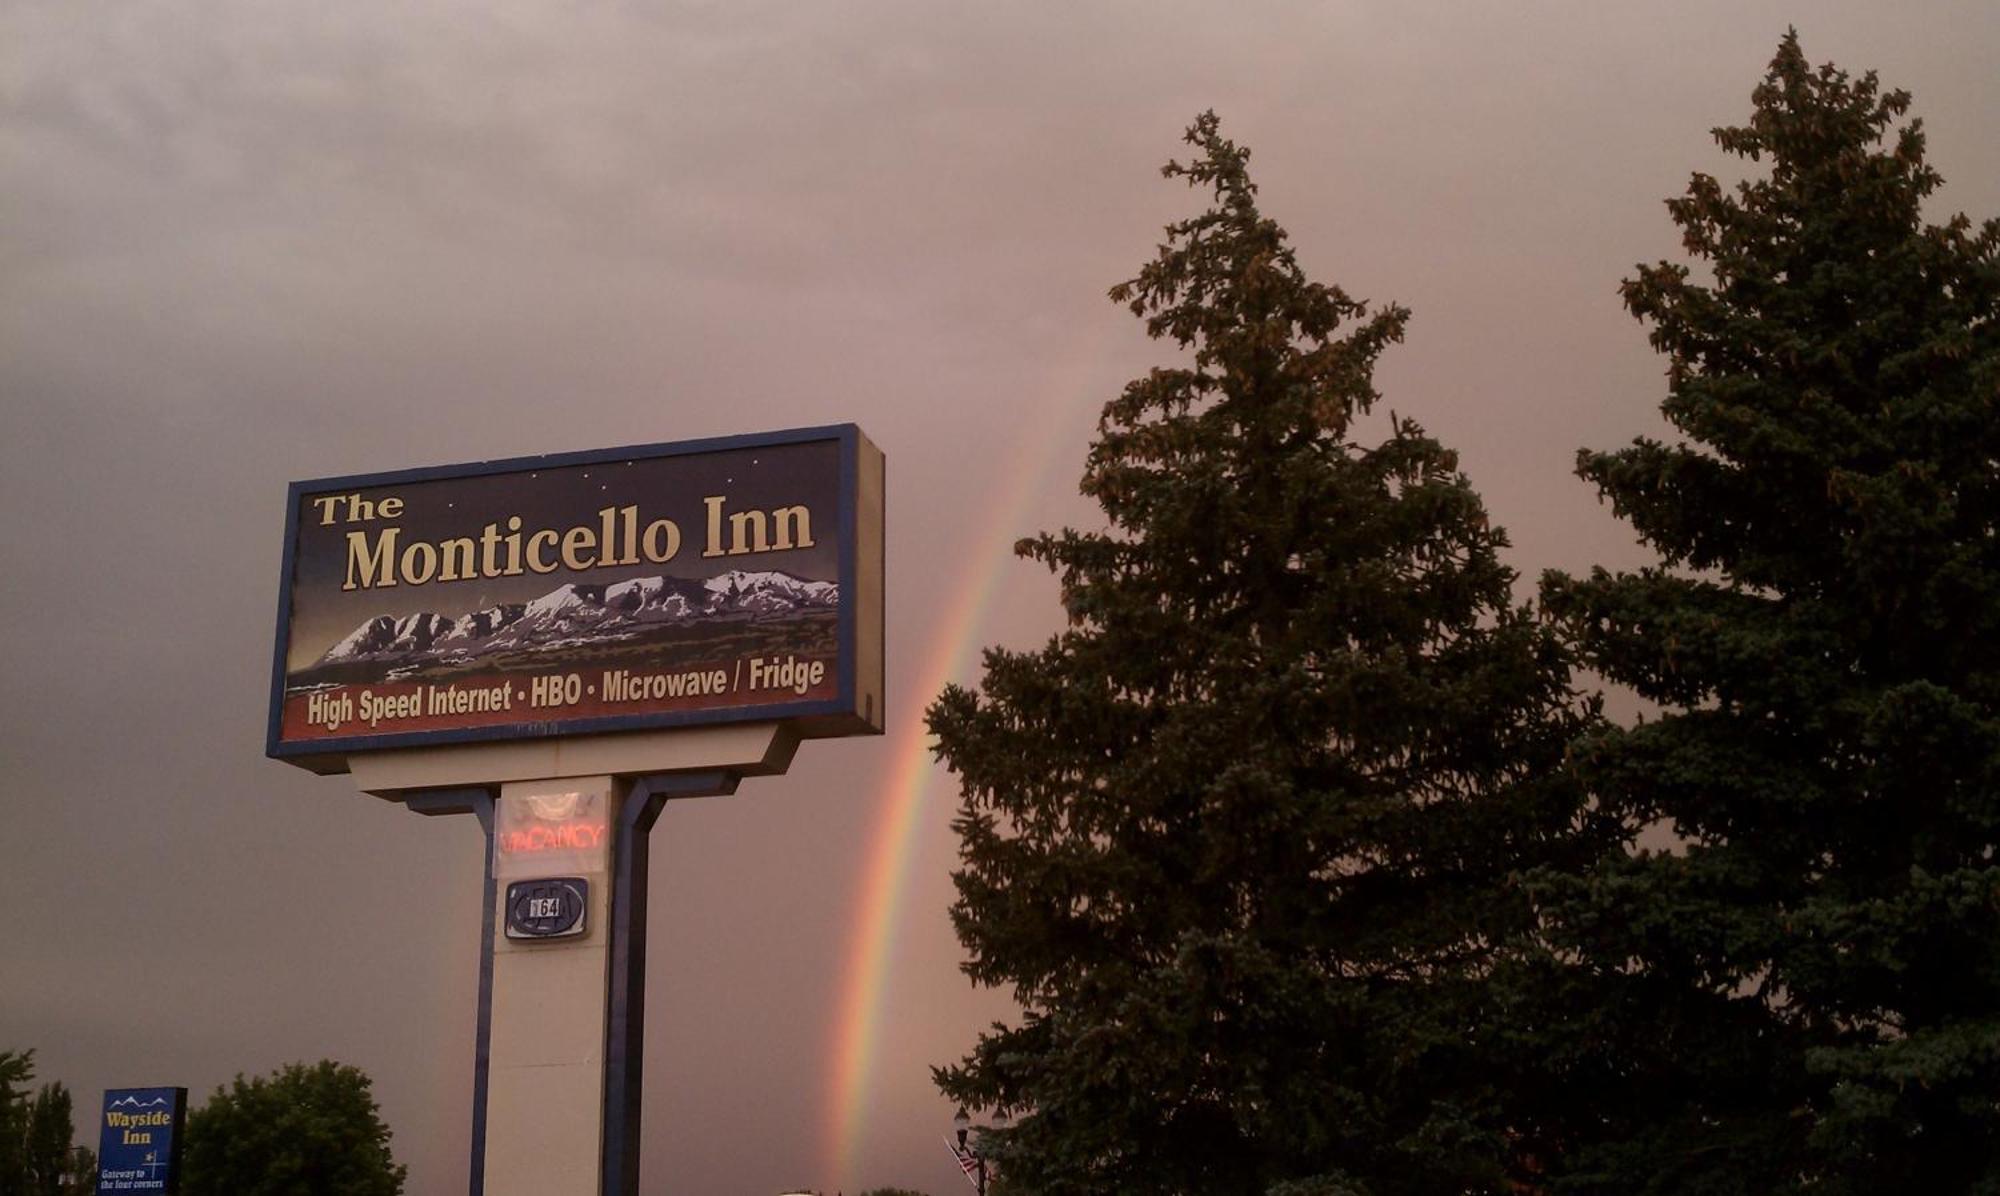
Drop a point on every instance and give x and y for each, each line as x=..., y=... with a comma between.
x=249, y=241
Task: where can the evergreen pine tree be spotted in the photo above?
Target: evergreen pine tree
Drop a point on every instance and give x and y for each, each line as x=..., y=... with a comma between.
x=1804, y=988
x=1242, y=840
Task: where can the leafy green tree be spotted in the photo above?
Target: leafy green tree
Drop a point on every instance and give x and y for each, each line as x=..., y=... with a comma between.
x=51, y=1134
x=1803, y=992
x=1243, y=840
x=37, y=1157
x=17, y=1071
x=306, y=1130
x=82, y=1172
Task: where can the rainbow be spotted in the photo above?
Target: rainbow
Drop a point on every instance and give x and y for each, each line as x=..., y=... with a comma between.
x=950, y=656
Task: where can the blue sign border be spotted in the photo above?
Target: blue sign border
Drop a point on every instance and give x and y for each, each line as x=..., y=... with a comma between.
x=334, y=751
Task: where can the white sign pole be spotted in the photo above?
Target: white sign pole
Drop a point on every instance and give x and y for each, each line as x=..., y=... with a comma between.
x=558, y=1076
x=546, y=1047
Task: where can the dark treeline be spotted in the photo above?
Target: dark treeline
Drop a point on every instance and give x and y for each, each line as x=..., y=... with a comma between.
x=1307, y=849
x=304, y=1130
x=37, y=1155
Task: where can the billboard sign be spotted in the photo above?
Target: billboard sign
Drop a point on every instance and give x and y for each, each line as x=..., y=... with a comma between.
x=139, y=1141
x=736, y=579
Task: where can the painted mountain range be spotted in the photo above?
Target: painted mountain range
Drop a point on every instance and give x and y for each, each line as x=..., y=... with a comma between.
x=575, y=615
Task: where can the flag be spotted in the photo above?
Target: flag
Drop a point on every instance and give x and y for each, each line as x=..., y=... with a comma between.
x=967, y=1161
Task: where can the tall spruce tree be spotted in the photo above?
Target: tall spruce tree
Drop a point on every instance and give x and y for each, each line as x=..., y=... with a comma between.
x=1804, y=988
x=1242, y=840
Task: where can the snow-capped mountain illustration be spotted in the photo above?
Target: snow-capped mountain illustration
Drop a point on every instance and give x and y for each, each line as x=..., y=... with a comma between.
x=577, y=613
x=133, y=1102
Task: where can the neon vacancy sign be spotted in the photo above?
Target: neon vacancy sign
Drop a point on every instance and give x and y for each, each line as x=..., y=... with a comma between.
x=547, y=823
x=557, y=836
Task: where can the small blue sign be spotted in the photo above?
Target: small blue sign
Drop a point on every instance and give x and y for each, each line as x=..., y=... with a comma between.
x=139, y=1146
